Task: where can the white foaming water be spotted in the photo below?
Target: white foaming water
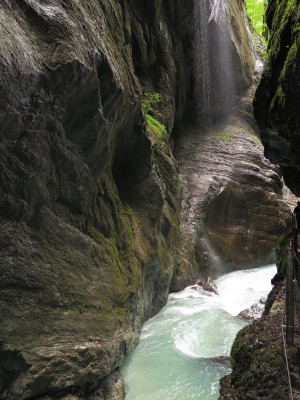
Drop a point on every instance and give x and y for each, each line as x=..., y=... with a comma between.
x=217, y=9
x=182, y=351
x=246, y=287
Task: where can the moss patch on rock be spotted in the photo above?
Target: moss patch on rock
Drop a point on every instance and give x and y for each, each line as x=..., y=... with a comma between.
x=277, y=99
x=89, y=200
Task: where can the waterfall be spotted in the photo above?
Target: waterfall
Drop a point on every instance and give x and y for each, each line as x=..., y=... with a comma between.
x=215, y=87
x=218, y=9
x=201, y=63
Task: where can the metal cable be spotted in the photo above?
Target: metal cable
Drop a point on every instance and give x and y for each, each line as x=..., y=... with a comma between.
x=295, y=279
x=282, y=325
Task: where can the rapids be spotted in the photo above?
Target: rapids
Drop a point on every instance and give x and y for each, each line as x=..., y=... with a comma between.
x=183, y=351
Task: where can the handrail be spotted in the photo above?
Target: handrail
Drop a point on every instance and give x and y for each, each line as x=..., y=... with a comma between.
x=287, y=363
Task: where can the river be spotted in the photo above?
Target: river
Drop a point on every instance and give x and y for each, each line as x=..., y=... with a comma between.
x=183, y=350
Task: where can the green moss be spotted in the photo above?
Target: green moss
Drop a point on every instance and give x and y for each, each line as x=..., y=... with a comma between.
x=290, y=62
x=131, y=224
x=279, y=98
x=256, y=138
x=95, y=234
x=150, y=99
x=156, y=128
x=284, y=15
x=129, y=211
x=226, y=137
x=109, y=242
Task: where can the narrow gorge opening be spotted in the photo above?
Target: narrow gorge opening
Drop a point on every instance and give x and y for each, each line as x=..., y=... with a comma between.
x=228, y=189
x=184, y=350
x=131, y=167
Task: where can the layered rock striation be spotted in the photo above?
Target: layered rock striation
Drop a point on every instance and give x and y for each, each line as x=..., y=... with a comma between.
x=89, y=200
x=258, y=357
x=235, y=205
x=234, y=202
x=90, y=195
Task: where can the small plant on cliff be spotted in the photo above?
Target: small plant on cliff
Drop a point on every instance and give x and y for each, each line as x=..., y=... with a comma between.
x=150, y=100
x=155, y=127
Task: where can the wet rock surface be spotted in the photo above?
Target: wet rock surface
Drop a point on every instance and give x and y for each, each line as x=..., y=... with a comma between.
x=254, y=312
x=234, y=204
x=277, y=100
x=257, y=358
x=223, y=60
x=88, y=203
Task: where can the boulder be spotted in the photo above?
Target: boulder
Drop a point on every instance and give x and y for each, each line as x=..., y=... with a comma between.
x=254, y=312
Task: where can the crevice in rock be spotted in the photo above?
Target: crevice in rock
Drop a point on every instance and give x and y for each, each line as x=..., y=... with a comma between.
x=132, y=159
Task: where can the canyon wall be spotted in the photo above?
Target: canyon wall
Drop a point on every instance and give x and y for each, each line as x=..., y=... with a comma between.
x=258, y=359
x=235, y=206
x=277, y=100
x=90, y=193
x=89, y=196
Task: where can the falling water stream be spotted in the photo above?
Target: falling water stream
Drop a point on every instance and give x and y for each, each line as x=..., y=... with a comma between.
x=183, y=351
x=215, y=86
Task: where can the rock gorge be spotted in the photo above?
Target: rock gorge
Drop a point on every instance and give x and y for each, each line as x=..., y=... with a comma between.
x=259, y=365
x=277, y=103
x=92, y=233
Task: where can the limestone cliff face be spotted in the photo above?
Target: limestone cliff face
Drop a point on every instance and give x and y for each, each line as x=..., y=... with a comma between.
x=235, y=205
x=277, y=100
x=89, y=200
x=234, y=202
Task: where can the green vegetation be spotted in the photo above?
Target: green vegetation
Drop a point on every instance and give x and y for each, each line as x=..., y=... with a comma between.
x=130, y=224
x=155, y=128
x=149, y=101
x=226, y=137
x=256, y=12
x=256, y=137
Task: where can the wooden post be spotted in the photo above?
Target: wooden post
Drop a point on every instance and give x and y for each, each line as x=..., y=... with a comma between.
x=289, y=295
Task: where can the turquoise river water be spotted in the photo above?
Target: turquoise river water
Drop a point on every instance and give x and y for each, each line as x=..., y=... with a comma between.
x=181, y=352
